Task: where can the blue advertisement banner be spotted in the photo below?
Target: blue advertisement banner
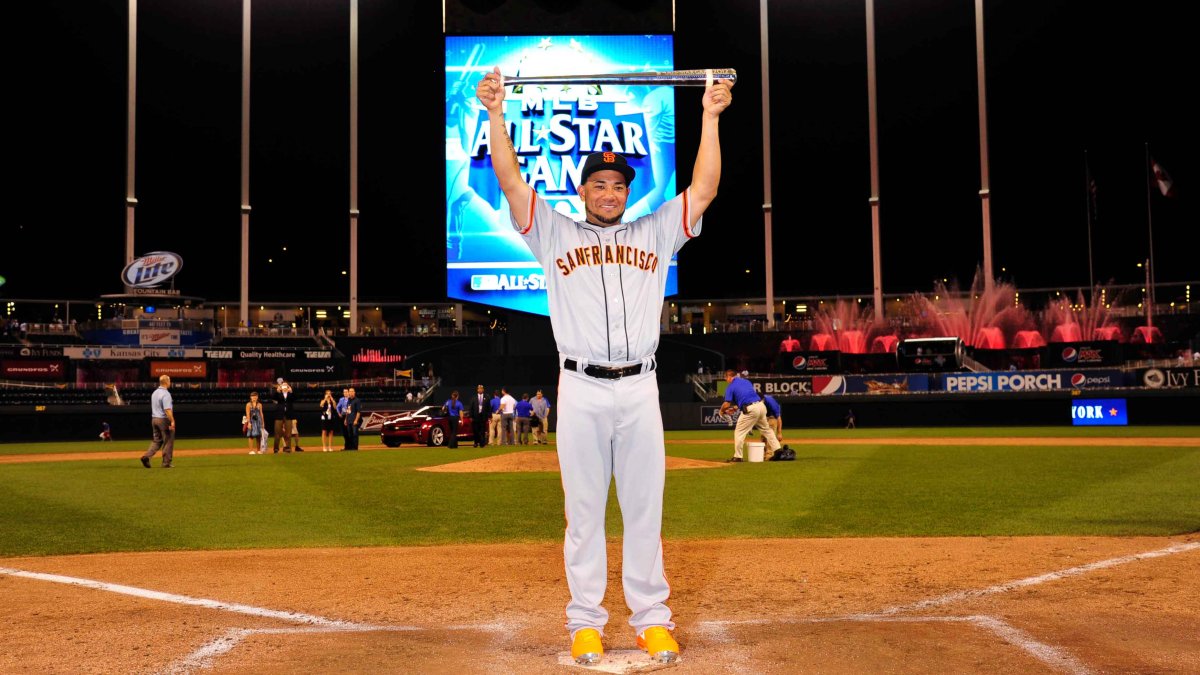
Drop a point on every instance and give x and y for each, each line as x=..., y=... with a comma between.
x=831, y=385
x=710, y=416
x=1091, y=412
x=902, y=383
x=785, y=387
x=1035, y=380
x=1171, y=378
x=552, y=128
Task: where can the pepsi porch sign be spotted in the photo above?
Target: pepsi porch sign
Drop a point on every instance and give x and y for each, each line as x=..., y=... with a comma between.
x=1099, y=412
x=1034, y=380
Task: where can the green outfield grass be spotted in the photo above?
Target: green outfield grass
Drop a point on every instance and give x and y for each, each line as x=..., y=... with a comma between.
x=139, y=445
x=378, y=498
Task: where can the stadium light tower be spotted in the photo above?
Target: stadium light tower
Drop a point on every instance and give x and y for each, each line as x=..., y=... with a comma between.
x=873, y=125
x=353, y=167
x=244, y=291
x=766, y=145
x=130, y=135
x=989, y=279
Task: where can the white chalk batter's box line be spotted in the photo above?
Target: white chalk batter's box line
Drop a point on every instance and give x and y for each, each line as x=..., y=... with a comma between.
x=1052, y=656
x=202, y=657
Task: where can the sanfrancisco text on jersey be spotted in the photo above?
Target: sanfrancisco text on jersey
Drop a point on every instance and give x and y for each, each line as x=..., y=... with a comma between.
x=631, y=256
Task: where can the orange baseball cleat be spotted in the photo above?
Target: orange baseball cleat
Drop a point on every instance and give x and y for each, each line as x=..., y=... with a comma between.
x=586, y=647
x=657, y=642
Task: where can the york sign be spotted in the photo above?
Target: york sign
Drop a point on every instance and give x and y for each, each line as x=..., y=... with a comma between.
x=152, y=269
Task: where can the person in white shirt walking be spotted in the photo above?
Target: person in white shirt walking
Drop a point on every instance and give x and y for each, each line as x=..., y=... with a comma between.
x=508, y=410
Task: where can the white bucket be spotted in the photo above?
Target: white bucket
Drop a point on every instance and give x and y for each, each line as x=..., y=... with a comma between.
x=754, y=451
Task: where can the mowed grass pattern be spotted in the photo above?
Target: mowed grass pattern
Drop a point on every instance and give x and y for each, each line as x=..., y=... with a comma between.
x=375, y=498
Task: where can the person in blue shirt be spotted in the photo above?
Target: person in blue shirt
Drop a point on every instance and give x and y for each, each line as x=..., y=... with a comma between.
x=343, y=405
x=524, y=416
x=740, y=395
x=774, y=416
x=454, y=411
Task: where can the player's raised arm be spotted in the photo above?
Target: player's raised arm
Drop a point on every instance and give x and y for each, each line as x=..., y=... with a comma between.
x=706, y=174
x=490, y=91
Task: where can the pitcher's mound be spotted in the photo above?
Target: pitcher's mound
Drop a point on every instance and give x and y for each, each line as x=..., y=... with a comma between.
x=543, y=460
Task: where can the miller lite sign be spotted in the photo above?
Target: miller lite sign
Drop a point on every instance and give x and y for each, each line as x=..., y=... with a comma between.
x=152, y=269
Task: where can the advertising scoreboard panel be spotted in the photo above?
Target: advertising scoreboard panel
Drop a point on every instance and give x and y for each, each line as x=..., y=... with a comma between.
x=1089, y=412
x=552, y=127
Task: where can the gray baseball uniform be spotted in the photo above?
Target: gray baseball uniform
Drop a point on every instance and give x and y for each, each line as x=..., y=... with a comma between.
x=605, y=288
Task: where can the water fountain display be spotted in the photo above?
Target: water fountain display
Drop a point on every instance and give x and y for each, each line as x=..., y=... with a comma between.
x=991, y=323
x=846, y=326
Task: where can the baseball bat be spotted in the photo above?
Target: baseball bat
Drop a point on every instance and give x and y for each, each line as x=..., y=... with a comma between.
x=677, y=78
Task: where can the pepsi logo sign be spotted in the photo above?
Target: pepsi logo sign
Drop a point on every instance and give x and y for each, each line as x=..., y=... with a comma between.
x=1078, y=380
x=1070, y=354
x=152, y=269
x=799, y=362
x=825, y=385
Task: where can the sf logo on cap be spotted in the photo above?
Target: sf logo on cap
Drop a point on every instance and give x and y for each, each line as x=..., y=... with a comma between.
x=610, y=157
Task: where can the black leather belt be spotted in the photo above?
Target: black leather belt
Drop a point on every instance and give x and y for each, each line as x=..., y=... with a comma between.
x=746, y=408
x=608, y=372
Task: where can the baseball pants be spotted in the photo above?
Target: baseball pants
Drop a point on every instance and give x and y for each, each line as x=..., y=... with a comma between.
x=494, y=430
x=523, y=429
x=283, y=434
x=754, y=417
x=612, y=429
x=508, y=429
x=163, y=438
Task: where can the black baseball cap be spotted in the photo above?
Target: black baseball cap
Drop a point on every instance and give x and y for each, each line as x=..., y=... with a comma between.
x=606, y=161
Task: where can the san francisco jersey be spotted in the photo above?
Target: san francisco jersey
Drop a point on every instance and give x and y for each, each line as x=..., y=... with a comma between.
x=605, y=285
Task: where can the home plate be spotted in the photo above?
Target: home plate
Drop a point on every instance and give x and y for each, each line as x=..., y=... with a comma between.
x=620, y=661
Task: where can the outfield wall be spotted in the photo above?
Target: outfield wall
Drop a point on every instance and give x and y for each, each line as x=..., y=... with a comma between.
x=1145, y=407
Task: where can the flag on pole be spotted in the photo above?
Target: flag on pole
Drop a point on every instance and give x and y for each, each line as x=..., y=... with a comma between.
x=1092, y=196
x=1165, y=184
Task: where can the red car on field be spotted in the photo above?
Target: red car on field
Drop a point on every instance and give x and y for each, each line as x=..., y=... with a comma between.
x=428, y=425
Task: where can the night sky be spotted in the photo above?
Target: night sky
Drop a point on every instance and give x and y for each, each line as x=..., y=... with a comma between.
x=1063, y=77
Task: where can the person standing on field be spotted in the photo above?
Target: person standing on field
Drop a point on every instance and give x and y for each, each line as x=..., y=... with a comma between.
x=741, y=396
x=605, y=281
x=541, y=415
x=162, y=425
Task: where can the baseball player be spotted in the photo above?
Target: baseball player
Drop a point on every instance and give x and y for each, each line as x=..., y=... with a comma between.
x=740, y=395
x=605, y=282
